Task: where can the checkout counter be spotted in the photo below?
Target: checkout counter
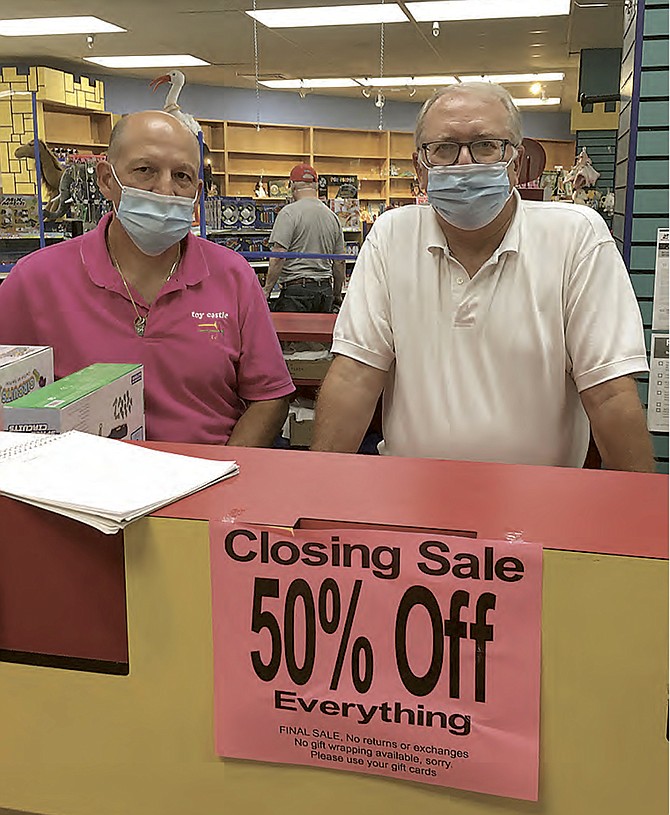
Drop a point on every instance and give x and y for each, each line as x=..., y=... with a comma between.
x=106, y=677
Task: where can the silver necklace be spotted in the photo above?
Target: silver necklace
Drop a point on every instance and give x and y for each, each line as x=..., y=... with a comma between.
x=140, y=321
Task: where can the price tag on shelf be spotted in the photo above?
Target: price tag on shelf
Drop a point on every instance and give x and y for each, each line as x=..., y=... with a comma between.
x=411, y=656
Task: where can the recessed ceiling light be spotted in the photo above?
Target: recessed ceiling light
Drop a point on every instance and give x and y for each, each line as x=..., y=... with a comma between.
x=148, y=61
x=40, y=26
x=486, y=9
x=528, y=102
x=399, y=81
x=296, y=84
x=511, y=79
x=330, y=15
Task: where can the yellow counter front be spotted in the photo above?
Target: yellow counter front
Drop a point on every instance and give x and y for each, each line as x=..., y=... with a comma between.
x=84, y=743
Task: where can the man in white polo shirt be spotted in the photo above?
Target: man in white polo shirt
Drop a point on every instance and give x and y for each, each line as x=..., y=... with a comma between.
x=497, y=328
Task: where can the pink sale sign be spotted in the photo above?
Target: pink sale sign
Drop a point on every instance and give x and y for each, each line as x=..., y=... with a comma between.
x=409, y=655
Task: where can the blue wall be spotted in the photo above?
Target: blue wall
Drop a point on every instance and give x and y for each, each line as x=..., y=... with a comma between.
x=126, y=95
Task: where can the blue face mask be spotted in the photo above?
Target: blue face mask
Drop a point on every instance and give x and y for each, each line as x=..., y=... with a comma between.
x=469, y=196
x=154, y=222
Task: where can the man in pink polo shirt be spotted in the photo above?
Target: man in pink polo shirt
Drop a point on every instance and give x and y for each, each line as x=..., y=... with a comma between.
x=141, y=288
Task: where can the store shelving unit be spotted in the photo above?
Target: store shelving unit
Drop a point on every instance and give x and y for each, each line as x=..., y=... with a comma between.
x=241, y=153
x=69, y=126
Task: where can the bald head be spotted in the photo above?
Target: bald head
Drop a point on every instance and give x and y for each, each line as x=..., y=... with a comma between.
x=133, y=130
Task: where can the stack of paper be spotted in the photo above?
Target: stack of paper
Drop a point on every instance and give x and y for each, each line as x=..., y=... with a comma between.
x=99, y=481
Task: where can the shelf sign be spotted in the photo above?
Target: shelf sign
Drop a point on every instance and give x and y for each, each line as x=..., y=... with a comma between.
x=394, y=654
x=347, y=186
x=658, y=404
x=661, y=307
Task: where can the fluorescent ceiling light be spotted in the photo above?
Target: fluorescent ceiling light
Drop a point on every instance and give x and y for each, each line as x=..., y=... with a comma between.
x=296, y=84
x=530, y=101
x=399, y=81
x=148, y=61
x=330, y=15
x=40, y=26
x=510, y=79
x=485, y=9
x=385, y=81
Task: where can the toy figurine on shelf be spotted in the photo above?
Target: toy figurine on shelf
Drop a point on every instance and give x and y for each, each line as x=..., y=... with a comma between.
x=582, y=176
x=52, y=170
x=259, y=189
x=211, y=189
x=607, y=203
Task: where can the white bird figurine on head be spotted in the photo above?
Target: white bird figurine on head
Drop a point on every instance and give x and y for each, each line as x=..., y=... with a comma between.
x=176, y=79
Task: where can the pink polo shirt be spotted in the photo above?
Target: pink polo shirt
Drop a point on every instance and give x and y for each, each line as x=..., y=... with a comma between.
x=209, y=345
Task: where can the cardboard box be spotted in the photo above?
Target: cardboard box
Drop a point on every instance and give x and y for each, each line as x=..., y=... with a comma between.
x=348, y=211
x=308, y=368
x=23, y=369
x=300, y=433
x=104, y=399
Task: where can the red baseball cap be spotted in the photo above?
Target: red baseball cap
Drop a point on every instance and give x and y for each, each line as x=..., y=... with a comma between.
x=303, y=172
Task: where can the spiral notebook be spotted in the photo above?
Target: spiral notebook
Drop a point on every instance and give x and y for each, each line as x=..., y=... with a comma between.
x=99, y=481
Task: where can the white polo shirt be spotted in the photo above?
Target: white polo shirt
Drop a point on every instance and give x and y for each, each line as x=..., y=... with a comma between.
x=490, y=368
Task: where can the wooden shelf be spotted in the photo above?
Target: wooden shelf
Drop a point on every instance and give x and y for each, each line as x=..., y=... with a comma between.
x=349, y=158
x=267, y=153
x=71, y=143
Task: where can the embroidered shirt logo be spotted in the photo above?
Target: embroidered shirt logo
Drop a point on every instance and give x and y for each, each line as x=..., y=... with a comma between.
x=211, y=322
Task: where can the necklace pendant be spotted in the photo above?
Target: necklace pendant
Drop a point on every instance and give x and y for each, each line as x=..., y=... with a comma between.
x=140, y=325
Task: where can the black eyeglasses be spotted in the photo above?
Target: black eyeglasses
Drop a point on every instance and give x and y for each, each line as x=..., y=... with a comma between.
x=446, y=153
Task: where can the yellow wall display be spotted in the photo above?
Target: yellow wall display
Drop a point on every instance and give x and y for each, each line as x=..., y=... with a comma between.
x=16, y=117
x=74, y=743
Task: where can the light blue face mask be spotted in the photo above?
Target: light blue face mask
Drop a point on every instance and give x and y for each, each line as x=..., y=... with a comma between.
x=469, y=196
x=154, y=222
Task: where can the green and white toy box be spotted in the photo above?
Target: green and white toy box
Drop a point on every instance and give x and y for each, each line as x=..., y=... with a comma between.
x=105, y=399
x=23, y=369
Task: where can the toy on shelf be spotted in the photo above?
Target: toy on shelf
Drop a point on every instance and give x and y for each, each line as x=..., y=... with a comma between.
x=582, y=176
x=176, y=80
x=79, y=197
x=210, y=186
x=18, y=215
x=348, y=211
x=52, y=170
x=607, y=203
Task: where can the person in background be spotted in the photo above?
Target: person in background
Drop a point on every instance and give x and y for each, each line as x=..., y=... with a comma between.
x=306, y=226
x=141, y=288
x=497, y=329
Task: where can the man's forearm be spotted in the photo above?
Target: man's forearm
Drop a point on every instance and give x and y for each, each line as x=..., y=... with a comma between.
x=619, y=427
x=274, y=271
x=345, y=405
x=260, y=423
x=338, y=277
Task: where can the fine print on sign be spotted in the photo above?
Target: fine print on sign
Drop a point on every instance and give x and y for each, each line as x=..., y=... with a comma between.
x=400, y=654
